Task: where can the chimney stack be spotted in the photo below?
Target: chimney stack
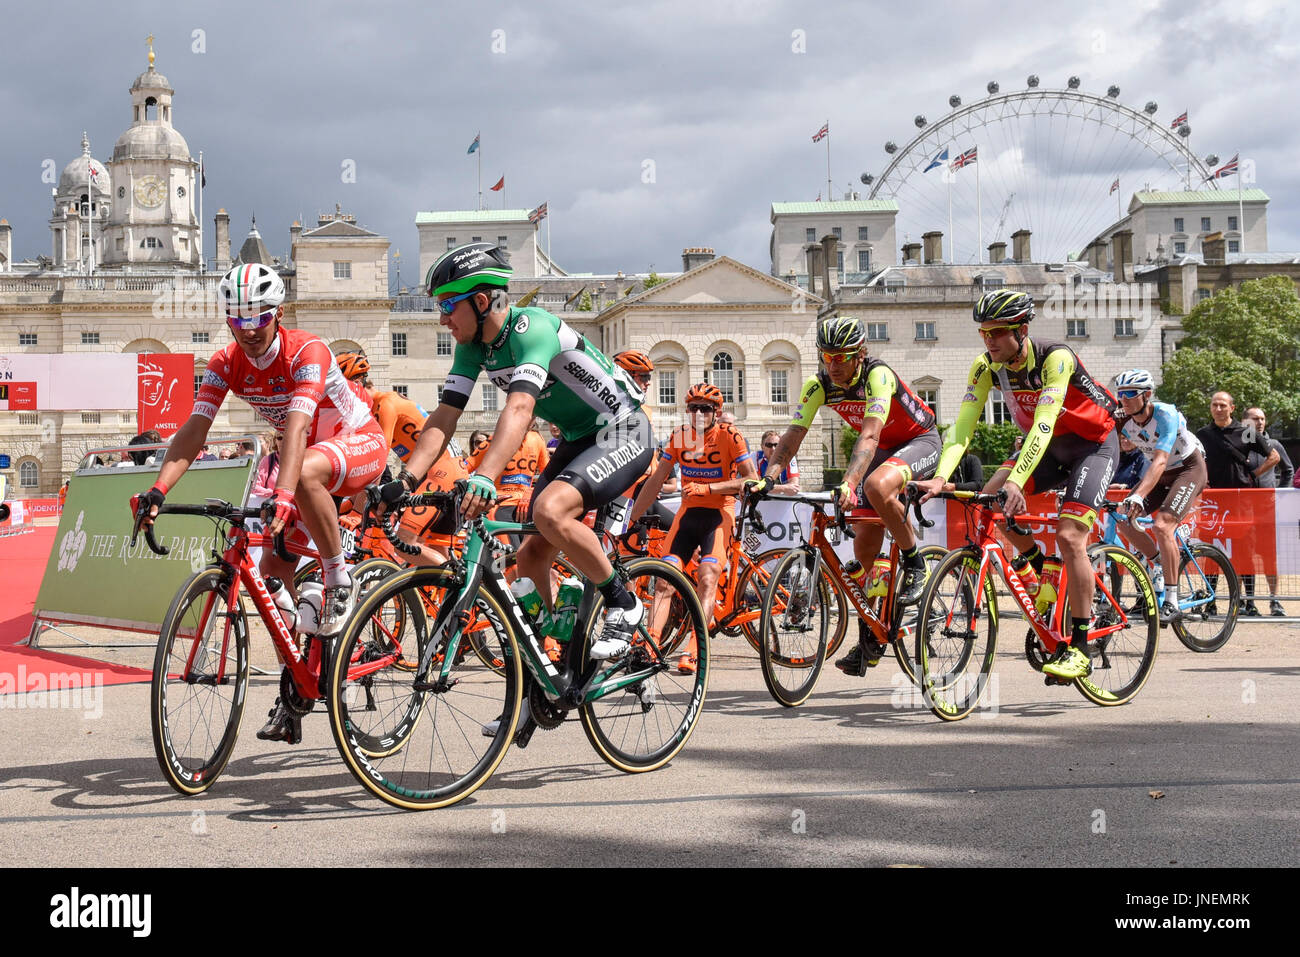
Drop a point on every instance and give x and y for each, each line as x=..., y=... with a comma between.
x=1122, y=254
x=693, y=256
x=829, y=242
x=933, y=246
x=6, y=246
x=912, y=252
x=1214, y=249
x=997, y=252
x=222, y=222
x=813, y=255
x=1020, y=246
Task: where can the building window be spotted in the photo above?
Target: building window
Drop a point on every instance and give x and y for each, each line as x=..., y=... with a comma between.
x=451, y=242
x=925, y=331
x=200, y=337
x=476, y=239
x=27, y=418
x=930, y=397
x=1180, y=248
x=343, y=270
x=1124, y=329
x=399, y=343
x=1234, y=246
x=877, y=332
x=27, y=338
x=724, y=376
x=810, y=234
x=1202, y=294
x=1232, y=223
x=151, y=242
x=862, y=234
x=90, y=338
x=998, y=411
x=28, y=475
x=402, y=390
x=501, y=240
x=90, y=418
x=489, y=397
x=864, y=260
x=1205, y=224
x=444, y=344
x=1076, y=328
x=839, y=261
x=198, y=381
x=667, y=388
x=779, y=384
x=1178, y=224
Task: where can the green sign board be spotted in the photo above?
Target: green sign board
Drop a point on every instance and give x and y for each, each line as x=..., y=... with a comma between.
x=94, y=575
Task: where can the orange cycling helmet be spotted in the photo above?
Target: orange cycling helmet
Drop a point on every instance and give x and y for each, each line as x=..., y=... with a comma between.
x=635, y=361
x=353, y=365
x=704, y=393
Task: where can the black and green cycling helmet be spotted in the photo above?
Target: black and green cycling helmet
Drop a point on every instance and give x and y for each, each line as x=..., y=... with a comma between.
x=467, y=268
x=1005, y=306
x=840, y=334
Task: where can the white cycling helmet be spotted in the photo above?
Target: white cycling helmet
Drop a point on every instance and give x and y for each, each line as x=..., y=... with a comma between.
x=247, y=291
x=1138, y=379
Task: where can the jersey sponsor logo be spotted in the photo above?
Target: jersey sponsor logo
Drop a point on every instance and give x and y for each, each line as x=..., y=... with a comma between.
x=522, y=324
x=1045, y=399
x=308, y=373
x=1044, y=427
x=299, y=404
x=211, y=378
x=605, y=466
x=249, y=379
x=534, y=374
x=970, y=394
x=593, y=382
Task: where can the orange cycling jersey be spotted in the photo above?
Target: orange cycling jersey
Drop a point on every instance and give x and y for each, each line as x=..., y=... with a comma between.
x=428, y=522
x=707, y=459
x=401, y=419
x=515, y=483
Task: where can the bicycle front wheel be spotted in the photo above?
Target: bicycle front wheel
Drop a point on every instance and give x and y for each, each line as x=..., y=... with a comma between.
x=641, y=725
x=1124, y=633
x=907, y=637
x=796, y=626
x=1208, y=592
x=409, y=737
x=200, y=676
x=957, y=636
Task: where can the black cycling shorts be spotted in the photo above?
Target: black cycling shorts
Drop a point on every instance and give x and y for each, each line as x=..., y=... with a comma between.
x=603, y=465
x=1084, y=468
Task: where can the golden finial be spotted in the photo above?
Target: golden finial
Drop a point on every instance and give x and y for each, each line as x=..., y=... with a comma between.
x=149, y=40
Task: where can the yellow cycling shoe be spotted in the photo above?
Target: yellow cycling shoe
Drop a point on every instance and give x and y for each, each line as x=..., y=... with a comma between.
x=1073, y=664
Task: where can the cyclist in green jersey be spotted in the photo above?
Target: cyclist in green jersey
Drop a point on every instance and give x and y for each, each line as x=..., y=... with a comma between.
x=545, y=369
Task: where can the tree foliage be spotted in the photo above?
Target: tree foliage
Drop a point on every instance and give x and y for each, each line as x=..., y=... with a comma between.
x=993, y=443
x=653, y=280
x=1245, y=341
x=584, y=304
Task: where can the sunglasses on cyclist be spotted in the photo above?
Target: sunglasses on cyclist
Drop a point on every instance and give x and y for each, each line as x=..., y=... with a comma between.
x=448, y=306
x=1129, y=393
x=993, y=332
x=702, y=408
x=829, y=357
x=251, y=322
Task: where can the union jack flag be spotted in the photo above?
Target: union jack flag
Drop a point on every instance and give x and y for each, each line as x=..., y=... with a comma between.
x=537, y=215
x=821, y=134
x=1114, y=186
x=1178, y=121
x=965, y=159
x=1227, y=169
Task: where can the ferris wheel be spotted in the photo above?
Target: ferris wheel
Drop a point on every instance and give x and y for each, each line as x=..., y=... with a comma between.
x=1045, y=160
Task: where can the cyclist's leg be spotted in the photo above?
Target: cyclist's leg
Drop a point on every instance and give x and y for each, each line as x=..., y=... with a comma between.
x=918, y=459
x=1177, y=496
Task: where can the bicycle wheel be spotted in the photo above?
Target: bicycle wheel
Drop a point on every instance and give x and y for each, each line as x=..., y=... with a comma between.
x=907, y=638
x=957, y=636
x=200, y=676
x=1208, y=591
x=750, y=584
x=796, y=626
x=411, y=739
x=1124, y=633
x=643, y=724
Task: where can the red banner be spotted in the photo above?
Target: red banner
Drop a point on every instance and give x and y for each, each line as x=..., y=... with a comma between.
x=166, y=391
x=18, y=396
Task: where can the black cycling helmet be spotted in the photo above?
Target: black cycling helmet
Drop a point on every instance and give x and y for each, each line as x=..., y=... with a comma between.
x=470, y=268
x=840, y=334
x=1005, y=306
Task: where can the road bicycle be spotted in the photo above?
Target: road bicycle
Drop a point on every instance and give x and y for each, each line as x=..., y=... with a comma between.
x=1205, y=578
x=798, y=622
x=201, y=665
x=959, y=617
x=429, y=735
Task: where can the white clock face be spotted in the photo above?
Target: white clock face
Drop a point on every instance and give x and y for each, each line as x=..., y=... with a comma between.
x=150, y=191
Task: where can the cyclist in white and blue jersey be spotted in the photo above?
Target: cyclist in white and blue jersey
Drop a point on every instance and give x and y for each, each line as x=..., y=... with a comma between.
x=1171, y=486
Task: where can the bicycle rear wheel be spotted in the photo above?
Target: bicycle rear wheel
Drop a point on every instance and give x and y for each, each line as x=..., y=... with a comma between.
x=409, y=738
x=1208, y=591
x=957, y=636
x=796, y=625
x=643, y=724
x=200, y=676
x=1124, y=633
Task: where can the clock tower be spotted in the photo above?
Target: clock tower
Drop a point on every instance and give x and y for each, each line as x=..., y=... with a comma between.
x=152, y=226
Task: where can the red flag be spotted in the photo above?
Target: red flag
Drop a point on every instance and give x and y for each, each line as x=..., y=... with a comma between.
x=165, y=396
x=501, y=184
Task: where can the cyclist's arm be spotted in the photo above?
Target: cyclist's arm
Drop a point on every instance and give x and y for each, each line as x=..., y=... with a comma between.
x=185, y=445
x=791, y=439
x=293, y=449
x=1058, y=367
x=508, y=435
x=881, y=385
x=963, y=430
x=439, y=427
x=1159, y=459
x=1167, y=425
x=650, y=489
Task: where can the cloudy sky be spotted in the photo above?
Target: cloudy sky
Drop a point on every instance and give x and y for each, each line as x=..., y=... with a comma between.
x=645, y=126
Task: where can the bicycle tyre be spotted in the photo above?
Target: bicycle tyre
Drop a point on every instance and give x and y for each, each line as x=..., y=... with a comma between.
x=1123, y=658
x=428, y=753
x=750, y=585
x=907, y=631
x=796, y=627
x=195, y=724
x=1206, y=574
x=949, y=641
x=644, y=725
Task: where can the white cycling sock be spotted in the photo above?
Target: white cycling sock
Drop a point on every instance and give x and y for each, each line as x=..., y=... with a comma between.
x=336, y=571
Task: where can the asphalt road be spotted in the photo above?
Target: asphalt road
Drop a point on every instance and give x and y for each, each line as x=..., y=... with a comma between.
x=1045, y=779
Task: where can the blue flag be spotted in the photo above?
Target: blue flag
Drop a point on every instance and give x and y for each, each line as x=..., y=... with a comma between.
x=473, y=146
x=938, y=160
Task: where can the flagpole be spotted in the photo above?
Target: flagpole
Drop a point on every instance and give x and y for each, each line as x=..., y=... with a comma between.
x=90, y=218
x=979, y=215
x=479, y=153
x=202, y=261
x=949, y=177
x=1119, y=202
x=549, y=269
x=1241, y=213
x=830, y=195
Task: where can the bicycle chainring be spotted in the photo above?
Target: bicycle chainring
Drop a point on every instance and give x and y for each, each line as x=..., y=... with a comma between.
x=547, y=714
x=290, y=698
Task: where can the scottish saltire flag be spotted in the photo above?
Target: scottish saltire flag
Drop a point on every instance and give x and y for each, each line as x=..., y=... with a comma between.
x=939, y=159
x=821, y=134
x=965, y=159
x=1178, y=121
x=473, y=146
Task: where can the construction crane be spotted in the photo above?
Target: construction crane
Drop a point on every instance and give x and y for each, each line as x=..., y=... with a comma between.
x=1002, y=220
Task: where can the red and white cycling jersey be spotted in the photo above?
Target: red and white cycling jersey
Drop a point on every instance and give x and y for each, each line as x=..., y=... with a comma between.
x=297, y=374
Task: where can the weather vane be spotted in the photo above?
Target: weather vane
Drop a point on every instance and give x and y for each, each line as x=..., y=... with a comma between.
x=149, y=40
